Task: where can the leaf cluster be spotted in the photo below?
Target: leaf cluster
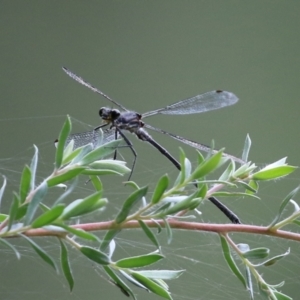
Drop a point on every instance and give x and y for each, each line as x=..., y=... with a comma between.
x=169, y=204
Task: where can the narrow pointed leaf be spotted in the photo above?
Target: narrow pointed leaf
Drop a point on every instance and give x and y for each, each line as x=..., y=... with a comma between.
x=113, y=165
x=95, y=255
x=33, y=167
x=169, y=231
x=187, y=203
x=161, y=274
x=228, y=172
x=251, y=187
x=283, y=204
x=135, y=197
x=103, y=172
x=207, y=166
x=25, y=184
x=151, y=285
x=81, y=153
x=84, y=206
x=149, y=233
x=65, y=264
x=3, y=217
x=257, y=253
x=67, y=192
x=64, y=133
x=110, y=235
x=247, y=147
x=6, y=243
x=118, y=281
x=80, y=233
x=48, y=217
x=273, y=173
x=231, y=194
x=139, y=261
x=249, y=283
x=70, y=174
x=96, y=183
x=182, y=165
x=231, y=263
x=13, y=210
x=101, y=152
x=2, y=189
x=280, y=296
x=274, y=259
x=34, y=204
x=42, y=254
x=133, y=281
x=160, y=188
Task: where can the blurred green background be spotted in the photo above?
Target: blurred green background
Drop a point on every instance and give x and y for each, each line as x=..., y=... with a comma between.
x=148, y=54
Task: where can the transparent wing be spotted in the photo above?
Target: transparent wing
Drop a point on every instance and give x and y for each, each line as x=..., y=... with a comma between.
x=94, y=89
x=198, y=104
x=94, y=136
x=192, y=143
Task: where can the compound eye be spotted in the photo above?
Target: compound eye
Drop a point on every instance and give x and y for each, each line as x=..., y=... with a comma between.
x=101, y=111
x=115, y=113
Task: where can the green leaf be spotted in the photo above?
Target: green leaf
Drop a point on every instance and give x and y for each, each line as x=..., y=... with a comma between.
x=3, y=217
x=6, y=243
x=231, y=194
x=251, y=187
x=22, y=211
x=149, y=233
x=48, y=217
x=247, y=147
x=34, y=203
x=188, y=203
x=81, y=153
x=257, y=253
x=65, y=264
x=68, y=175
x=2, y=189
x=160, y=188
x=200, y=157
x=231, y=263
x=283, y=204
x=42, y=254
x=280, y=296
x=95, y=255
x=33, y=167
x=109, y=164
x=135, y=197
x=100, y=152
x=119, y=282
x=274, y=259
x=207, y=166
x=273, y=173
x=161, y=274
x=84, y=206
x=151, y=285
x=94, y=172
x=96, y=183
x=64, y=133
x=139, y=261
x=80, y=233
x=67, y=192
x=132, y=280
x=169, y=231
x=227, y=174
x=109, y=236
x=70, y=156
x=13, y=210
x=249, y=282
x=25, y=184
